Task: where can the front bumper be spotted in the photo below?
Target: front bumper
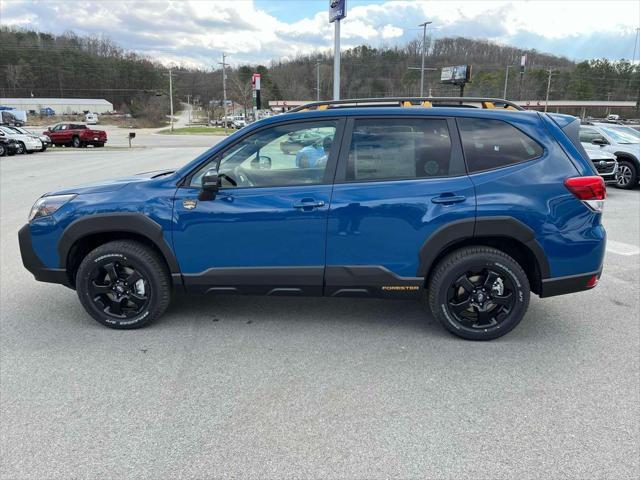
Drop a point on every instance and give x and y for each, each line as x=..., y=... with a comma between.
x=32, y=263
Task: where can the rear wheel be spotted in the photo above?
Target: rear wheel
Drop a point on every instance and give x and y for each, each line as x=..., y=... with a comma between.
x=98, y=145
x=479, y=293
x=3, y=150
x=123, y=284
x=627, y=175
x=21, y=148
x=75, y=142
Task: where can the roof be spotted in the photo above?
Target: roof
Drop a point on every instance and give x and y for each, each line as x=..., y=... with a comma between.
x=55, y=101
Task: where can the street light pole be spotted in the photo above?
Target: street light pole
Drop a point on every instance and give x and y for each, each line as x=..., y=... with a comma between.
x=424, y=48
x=546, y=101
x=318, y=80
x=336, y=61
x=506, y=80
x=224, y=93
x=171, y=98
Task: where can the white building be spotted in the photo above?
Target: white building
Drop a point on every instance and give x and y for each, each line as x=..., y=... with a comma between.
x=59, y=105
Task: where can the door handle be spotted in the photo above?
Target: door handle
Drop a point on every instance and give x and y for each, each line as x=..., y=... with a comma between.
x=308, y=204
x=448, y=199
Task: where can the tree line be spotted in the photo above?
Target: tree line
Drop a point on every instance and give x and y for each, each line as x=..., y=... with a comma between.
x=45, y=65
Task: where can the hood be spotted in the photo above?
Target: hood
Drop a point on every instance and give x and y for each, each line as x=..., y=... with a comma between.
x=599, y=154
x=111, y=185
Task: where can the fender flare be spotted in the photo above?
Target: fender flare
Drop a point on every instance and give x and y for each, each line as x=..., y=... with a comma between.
x=628, y=155
x=116, y=222
x=498, y=226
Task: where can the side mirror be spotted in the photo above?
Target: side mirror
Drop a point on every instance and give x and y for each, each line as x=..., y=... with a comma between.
x=49, y=129
x=261, y=163
x=599, y=141
x=210, y=184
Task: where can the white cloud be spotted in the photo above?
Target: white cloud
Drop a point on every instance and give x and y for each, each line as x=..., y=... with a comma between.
x=195, y=32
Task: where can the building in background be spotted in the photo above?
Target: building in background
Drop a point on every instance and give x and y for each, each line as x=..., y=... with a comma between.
x=60, y=106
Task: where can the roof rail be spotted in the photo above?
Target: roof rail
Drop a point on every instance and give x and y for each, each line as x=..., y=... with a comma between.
x=425, y=102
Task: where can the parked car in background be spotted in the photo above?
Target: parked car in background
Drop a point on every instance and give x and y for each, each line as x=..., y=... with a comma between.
x=298, y=140
x=473, y=208
x=604, y=162
x=8, y=146
x=26, y=143
x=76, y=135
x=623, y=142
x=47, y=112
x=46, y=141
x=91, y=118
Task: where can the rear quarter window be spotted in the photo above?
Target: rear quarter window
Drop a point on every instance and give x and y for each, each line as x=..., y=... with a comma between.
x=490, y=144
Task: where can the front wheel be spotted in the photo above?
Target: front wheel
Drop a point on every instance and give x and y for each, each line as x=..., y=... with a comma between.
x=21, y=148
x=627, y=175
x=479, y=293
x=3, y=150
x=76, y=143
x=123, y=285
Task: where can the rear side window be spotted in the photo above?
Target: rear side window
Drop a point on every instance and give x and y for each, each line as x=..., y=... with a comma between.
x=388, y=149
x=490, y=144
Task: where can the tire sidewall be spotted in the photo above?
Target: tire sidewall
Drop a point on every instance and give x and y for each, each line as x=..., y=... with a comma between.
x=3, y=151
x=500, y=265
x=85, y=274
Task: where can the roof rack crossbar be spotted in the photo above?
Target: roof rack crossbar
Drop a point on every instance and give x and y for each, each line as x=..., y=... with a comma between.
x=406, y=102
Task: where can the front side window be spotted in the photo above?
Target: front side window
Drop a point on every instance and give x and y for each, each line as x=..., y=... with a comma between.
x=490, y=144
x=622, y=134
x=588, y=135
x=293, y=154
x=388, y=149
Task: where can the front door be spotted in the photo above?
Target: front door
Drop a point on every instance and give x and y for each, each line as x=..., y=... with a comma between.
x=265, y=230
x=398, y=181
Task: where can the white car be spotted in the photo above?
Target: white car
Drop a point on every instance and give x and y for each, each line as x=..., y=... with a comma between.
x=622, y=141
x=26, y=143
x=46, y=141
x=604, y=162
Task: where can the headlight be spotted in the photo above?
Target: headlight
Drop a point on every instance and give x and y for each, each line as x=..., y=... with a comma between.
x=47, y=205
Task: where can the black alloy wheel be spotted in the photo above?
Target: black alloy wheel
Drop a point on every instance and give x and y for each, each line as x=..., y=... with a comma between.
x=119, y=290
x=481, y=299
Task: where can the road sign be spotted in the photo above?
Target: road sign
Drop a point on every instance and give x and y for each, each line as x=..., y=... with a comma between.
x=337, y=10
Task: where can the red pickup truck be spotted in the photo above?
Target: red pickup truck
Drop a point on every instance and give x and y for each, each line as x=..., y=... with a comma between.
x=76, y=134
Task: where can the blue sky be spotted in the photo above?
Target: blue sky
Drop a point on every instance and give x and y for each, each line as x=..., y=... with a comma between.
x=196, y=32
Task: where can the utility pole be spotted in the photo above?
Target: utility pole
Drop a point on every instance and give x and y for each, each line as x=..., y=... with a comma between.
x=317, y=80
x=506, y=80
x=546, y=101
x=171, y=98
x=336, y=61
x=189, y=104
x=424, y=48
x=224, y=92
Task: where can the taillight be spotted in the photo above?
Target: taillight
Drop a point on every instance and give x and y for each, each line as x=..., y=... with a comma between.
x=591, y=190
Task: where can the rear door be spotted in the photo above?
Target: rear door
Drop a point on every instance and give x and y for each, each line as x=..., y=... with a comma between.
x=398, y=181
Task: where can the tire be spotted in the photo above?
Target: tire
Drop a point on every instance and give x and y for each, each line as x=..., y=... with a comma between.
x=75, y=142
x=125, y=303
x=479, y=265
x=99, y=145
x=3, y=150
x=43, y=149
x=21, y=148
x=29, y=152
x=627, y=175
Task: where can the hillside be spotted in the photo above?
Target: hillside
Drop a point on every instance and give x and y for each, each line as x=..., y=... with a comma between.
x=41, y=64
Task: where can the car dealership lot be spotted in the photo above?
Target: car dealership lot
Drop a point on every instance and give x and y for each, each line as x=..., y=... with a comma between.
x=322, y=388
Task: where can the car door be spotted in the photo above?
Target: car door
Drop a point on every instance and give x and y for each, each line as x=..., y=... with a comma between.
x=398, y=181
x=265, y=230
x=57, y=134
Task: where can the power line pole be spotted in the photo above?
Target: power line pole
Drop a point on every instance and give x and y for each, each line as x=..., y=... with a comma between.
x=189, y=104
x=318, y=80
x=171, y=98
x=224, y=92
x=424, y=48
x=635, y=46
x=546, y=101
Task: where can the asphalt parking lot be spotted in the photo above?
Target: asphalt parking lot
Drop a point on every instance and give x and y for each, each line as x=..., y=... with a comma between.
x=309, y=388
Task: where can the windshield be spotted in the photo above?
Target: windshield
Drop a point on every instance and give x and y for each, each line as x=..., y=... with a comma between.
x=622, y=134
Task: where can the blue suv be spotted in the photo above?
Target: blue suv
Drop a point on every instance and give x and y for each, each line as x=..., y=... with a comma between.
x=466, y=201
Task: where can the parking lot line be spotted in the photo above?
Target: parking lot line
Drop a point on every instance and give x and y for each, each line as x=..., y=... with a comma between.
x=621, y=248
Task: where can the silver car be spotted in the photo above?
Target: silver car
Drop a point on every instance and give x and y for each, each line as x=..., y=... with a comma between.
x=622, y=141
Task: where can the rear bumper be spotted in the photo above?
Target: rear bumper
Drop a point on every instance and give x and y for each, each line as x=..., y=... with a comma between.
x=32, y=263
x=570, y=284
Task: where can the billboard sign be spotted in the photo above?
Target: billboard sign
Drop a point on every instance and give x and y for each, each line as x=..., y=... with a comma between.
x=337, y=10
x=457, y=74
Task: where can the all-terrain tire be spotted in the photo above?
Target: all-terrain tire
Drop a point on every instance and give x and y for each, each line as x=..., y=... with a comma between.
x=470, y=262
x=124, y=255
